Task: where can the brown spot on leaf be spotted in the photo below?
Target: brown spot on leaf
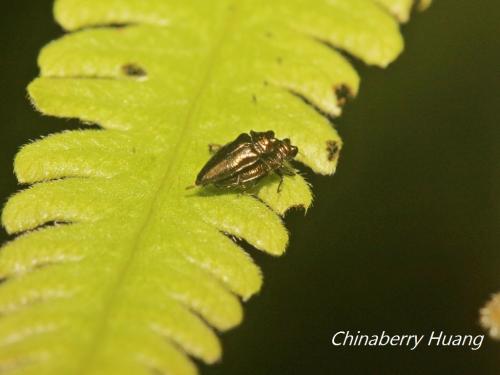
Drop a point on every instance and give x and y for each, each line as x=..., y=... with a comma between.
x=332, y=149
x=343, y=94
x=133, y=70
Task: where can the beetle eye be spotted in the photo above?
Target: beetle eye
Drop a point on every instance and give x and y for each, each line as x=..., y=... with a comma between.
x=293, y=151
x=270, y=134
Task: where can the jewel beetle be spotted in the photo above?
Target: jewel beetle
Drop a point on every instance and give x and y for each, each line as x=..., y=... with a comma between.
x=240, y=164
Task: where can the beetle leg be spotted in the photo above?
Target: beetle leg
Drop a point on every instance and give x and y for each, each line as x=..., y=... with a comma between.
x=284, y=171
x=287, y=170
x=280, y=173
x=232, y=183
x=244, y=185
x=213, y=148
x=281, y=182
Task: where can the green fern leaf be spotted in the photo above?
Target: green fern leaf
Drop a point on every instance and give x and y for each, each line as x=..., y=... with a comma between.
x=137, y=272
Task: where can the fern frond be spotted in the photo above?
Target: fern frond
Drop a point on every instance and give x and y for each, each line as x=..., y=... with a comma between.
x=136, y=273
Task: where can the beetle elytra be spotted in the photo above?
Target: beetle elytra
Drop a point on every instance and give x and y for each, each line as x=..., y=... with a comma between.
x=243, y=162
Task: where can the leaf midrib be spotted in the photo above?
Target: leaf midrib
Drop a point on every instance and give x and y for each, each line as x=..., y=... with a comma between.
x=179, y=151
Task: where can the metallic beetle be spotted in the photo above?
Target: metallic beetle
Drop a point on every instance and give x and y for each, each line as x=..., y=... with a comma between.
x=243, y=162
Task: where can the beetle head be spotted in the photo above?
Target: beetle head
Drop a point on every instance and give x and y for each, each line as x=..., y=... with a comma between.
x=269, y=134
x=292, y=150
x=264, y=141
x=286, y=149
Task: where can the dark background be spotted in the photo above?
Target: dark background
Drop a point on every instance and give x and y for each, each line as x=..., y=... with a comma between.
x=404, y=238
